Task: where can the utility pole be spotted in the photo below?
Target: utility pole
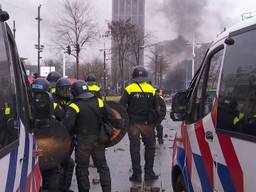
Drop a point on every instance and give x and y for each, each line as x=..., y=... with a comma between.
x=64, y=64
x=193, y=57
x=104, y=71
x=14, y=29
x=38, y=46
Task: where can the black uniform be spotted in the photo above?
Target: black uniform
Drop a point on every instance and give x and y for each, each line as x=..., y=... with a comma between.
x=142, y=107
x=159, y=126
x=67, y=166
x=83, y=117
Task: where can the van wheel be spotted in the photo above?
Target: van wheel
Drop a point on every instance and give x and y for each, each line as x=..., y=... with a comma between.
x=180, y=184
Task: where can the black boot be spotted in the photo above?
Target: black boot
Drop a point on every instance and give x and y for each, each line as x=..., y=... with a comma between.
x=160, y=141
x=135, y=178
x=151, y=176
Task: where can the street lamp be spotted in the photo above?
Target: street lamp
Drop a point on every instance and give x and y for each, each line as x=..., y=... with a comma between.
x=104, y=65
x=194, y=45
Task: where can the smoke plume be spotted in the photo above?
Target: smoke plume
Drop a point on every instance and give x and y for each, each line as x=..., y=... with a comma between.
x=185, y=16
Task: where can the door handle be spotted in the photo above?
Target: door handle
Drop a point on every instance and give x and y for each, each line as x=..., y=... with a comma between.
x=209, y=135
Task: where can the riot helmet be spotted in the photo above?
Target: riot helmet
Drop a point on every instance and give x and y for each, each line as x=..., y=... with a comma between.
x=53, y=77
x=63, y=88
x=79, y=89
x=139, y=74
x=91, y=79
x=40, y=85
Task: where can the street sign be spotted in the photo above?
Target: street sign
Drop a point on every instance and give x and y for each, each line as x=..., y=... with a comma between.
x=45, y=70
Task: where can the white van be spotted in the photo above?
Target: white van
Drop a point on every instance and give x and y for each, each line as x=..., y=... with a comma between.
x=19, y=165
x=214, y=147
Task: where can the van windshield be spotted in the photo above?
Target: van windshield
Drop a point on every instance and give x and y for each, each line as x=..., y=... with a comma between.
x=237, y=98
x=8, y=132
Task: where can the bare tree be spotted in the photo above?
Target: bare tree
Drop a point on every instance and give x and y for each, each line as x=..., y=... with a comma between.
x=75, y=27
x=96, y=67
x=121, y=35
x=158, y=64
x=138, y=40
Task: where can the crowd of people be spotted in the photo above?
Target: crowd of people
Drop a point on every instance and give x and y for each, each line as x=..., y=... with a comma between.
x=81, y=111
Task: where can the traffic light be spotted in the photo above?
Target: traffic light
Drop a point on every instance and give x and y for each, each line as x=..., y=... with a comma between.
x=77, y=47
x=68, y=49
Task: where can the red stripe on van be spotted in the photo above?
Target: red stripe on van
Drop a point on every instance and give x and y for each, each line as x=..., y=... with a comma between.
x=28, y=182
x=229, y=154
x=205, y=150
x=214, y=112
x=37, y=178
x=232, y=161
x=187, y=147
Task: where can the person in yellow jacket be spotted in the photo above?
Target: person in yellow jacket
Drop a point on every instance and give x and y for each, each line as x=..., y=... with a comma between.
x=92, y=86
x=140, y=100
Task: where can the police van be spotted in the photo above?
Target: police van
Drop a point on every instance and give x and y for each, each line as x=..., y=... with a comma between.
x=214, y=146
x=19, y=167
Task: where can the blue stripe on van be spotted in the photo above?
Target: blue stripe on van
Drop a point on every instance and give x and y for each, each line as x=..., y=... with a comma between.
x=24, y=171
x=200, y=167
x=12, y=170
x=181, y=160
x=225, y=178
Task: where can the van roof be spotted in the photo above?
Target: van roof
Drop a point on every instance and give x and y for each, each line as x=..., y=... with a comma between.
x=236, y=27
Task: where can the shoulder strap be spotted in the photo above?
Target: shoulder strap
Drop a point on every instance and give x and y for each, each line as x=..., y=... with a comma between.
x=140, y=88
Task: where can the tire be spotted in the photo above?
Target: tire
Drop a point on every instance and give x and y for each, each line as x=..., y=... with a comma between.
x=180, y=184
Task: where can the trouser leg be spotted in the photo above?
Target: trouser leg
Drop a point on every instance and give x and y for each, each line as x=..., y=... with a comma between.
x=50, y=180
x=82, y=157
x=67, y=167
x=99, y=159
x=148, y=138
x=134, y=137
x=159, y=129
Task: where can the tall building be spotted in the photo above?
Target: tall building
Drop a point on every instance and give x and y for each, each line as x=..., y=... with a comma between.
x=135, y=11
x=129, y=9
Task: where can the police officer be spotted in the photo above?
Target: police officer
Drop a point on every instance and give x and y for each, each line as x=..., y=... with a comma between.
x=53, y=77
x=142, y=106
x=92, y=86
x=50, y=177
x=159, y=126
x=85, y=116
x=61, y=101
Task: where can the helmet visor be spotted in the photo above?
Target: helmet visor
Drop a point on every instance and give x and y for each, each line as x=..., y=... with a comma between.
x=64, y=92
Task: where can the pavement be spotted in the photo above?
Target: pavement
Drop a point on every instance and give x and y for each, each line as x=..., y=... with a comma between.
x=118, y=158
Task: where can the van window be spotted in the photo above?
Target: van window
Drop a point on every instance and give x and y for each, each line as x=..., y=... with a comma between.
x=237, y=99
x=22, y=97
x=8, y=111
x=205, y=91
x=212, y=81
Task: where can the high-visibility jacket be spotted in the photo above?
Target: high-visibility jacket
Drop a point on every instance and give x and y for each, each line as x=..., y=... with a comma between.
x=141, y=102
x=95, y=89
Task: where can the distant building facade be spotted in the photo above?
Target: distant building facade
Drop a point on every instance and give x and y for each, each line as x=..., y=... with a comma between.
x=124, y=10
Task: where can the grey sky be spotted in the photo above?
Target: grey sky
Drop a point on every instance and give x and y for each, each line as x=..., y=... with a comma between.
x=217, y=14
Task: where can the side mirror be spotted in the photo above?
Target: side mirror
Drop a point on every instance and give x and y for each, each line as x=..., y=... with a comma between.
x=229, y=41
x=179, y=106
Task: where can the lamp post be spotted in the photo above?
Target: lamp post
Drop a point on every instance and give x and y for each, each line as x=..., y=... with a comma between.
x=104, y=65
x=38, y=46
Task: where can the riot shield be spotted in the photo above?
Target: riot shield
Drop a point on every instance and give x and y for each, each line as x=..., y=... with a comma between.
x=120, y=114
x=54, y=144
x=53, y=140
